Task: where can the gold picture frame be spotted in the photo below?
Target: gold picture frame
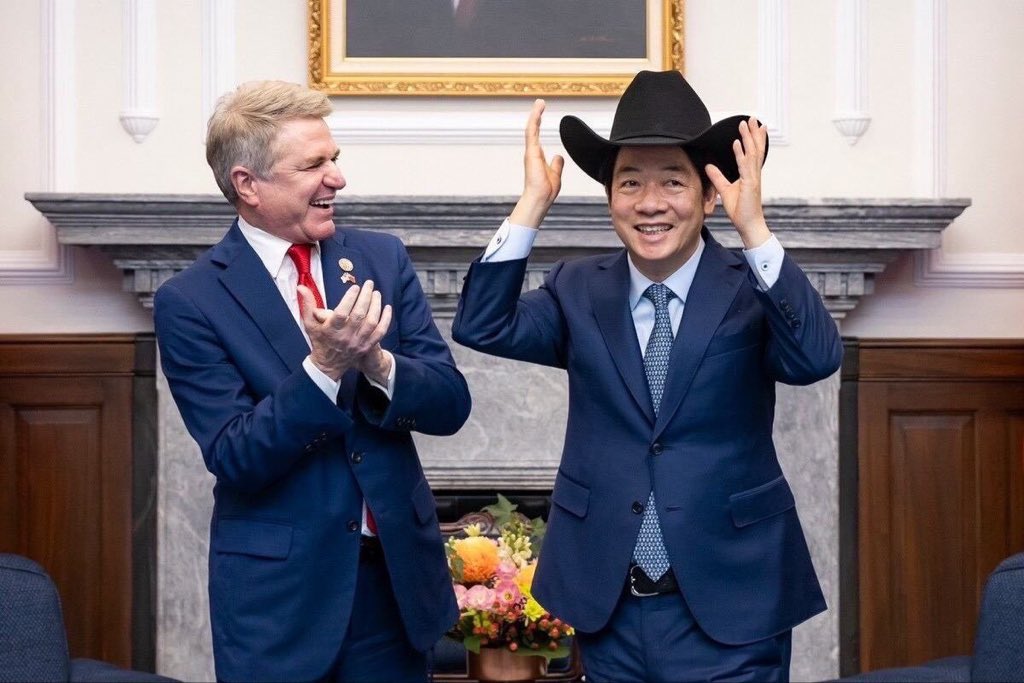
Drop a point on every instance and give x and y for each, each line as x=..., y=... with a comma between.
x=376, y=73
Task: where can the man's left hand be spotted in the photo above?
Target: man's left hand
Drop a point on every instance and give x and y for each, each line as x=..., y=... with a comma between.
x=742, y=199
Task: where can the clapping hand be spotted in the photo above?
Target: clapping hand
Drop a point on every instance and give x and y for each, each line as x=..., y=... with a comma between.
x=349, y=335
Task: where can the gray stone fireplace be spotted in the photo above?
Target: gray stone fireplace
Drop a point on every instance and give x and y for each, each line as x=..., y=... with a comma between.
x=513, y=438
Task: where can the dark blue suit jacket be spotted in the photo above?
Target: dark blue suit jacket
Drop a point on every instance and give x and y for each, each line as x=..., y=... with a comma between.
x=726, y=510
x=292, y=467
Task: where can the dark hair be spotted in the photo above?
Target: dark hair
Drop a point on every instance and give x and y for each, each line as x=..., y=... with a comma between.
x=608, y=170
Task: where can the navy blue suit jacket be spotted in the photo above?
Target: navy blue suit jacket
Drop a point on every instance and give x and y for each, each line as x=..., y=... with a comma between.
x=292, y=467
x=726, y=510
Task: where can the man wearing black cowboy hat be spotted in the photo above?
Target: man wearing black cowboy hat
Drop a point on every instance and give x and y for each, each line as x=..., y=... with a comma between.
x=673, y=543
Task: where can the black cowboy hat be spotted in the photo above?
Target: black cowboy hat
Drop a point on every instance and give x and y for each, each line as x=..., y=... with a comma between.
x=657, y=108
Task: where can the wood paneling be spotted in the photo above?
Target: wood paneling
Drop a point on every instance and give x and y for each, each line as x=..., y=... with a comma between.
x=939, y=490
x=67, y=406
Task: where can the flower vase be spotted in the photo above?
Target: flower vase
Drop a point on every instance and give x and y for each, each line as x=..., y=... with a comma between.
x=498, y=664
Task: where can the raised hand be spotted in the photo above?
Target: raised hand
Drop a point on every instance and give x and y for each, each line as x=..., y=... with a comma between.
x=742, y=199
x=348, y=336
x=543, y=181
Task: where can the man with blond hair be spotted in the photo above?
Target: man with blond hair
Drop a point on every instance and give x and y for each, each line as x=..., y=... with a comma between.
x=301, y=360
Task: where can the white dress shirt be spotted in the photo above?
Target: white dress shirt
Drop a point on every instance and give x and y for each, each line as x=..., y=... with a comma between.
x=273, y=252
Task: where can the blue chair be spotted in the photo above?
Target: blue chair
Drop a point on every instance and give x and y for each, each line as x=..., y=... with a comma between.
x=998, y=644
x=33, y=641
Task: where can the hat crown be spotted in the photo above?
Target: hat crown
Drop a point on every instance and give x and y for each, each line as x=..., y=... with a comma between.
x=659, y=104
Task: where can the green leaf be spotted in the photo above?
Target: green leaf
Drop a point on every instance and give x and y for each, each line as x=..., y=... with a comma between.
x=538, y=528
x=501, y=511
x=559, y=653
x=458, y=566
x=472, y=643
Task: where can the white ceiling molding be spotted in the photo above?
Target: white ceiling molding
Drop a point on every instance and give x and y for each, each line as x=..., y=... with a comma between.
x=851, y=116
x=773, y=68
x=218, y=53
x=939, y=268
x=51, y=262
x=139, y=114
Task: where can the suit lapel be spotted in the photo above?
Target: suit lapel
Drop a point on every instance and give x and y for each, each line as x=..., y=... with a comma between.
x=252, y=287
x=719, y=275
x=331, y=252
x=609, y=293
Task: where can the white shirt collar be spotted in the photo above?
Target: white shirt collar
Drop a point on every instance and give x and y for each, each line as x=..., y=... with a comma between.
x=272, y=250
x=679, y=282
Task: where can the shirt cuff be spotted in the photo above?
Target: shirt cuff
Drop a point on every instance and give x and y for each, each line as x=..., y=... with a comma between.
x=511, y=242
x=326, y=384
x=388, y=390
x=766, y=262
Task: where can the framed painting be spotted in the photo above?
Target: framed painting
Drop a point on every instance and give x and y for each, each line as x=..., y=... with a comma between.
x=490, y=47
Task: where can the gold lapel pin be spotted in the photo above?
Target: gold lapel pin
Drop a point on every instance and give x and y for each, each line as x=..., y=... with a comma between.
x=346, y=266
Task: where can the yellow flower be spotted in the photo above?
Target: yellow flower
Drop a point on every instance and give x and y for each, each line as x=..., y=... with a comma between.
x=479, y=556
x=525, y=578
x=533, y=610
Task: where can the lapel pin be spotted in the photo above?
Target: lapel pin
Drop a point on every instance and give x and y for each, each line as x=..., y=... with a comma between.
x=346, y=266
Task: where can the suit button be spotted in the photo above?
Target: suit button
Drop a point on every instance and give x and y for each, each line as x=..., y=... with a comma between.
x=657, y=449
x=357, y=457
x=638, y=508
x=353, y=525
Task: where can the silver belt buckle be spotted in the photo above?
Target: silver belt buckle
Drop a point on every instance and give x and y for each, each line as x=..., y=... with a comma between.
x=632, y=584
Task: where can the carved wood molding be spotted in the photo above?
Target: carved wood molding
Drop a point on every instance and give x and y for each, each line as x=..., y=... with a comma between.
x=841, y=243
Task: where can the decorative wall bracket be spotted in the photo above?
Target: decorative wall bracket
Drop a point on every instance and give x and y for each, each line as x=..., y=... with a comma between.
x=841, y=243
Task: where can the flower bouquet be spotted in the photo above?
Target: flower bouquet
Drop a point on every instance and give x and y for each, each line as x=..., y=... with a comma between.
x=492, y=579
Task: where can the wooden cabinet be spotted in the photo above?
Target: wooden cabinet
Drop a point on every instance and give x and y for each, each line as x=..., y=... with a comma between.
x=938, y=428
x=77, y=482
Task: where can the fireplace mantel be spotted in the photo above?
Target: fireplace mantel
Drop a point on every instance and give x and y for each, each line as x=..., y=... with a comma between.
x=841, y=243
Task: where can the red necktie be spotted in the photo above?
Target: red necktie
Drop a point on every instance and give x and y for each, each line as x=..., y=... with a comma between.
x=300, y=256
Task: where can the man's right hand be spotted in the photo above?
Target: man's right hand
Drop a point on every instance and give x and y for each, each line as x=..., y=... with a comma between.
x=542, y=182
x=340, y=339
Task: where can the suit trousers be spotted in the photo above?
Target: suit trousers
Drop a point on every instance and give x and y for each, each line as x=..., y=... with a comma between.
x=375, y=647
x=655, y=639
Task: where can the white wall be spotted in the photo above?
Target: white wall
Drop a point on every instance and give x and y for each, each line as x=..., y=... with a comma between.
x=943, y=122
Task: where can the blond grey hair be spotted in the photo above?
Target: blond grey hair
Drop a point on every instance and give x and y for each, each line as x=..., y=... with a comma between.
x=244, y=126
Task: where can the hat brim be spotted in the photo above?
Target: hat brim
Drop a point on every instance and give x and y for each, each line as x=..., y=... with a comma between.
x=592, y=153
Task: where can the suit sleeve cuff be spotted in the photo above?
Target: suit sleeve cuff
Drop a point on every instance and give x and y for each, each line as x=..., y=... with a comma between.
x=388, y=390
x=326, y=384
x=766, y=262
x=510, y=243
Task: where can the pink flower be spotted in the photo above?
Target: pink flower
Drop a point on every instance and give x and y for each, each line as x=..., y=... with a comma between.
x=460, y=595
x=479, y=597
x=508, y=595
x=507, y=570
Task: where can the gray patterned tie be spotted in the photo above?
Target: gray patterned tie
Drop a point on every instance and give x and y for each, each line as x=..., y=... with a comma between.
x=650, y=551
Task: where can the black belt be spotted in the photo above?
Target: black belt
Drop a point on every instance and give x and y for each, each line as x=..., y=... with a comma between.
x=642, y=586
x=370, y=548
